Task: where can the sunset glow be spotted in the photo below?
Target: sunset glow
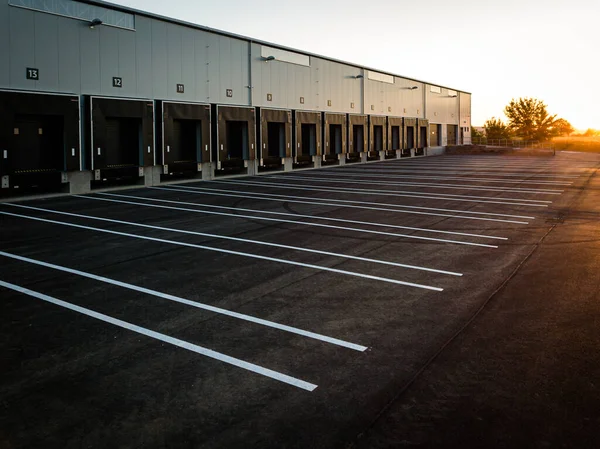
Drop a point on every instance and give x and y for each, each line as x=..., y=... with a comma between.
x=496, y=50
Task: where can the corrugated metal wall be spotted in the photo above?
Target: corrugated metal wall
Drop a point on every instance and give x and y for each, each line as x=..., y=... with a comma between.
x=159, y=55
x=442, y=107
x=397, y=99
x=72, y=58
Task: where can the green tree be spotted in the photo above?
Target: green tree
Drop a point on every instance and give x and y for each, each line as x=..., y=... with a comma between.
x=561, y=127
x=475, y=134
x=528, y=118
x=496, y=129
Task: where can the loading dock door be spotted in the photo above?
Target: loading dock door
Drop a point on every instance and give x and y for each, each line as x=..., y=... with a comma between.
x=307, y=136
x=236, y=140
x=378, y=135
x=123, y=143
x=38, y=143
x=335, y=135
x=39, y=137
x=185, y=136
x=275, y=136
x=395, y=138
x=422, y=137
x=122, y=136
x=452, y=134
x=410, y=137
x=358, y=137
x=236, y=136
x=309, y=139
x=378, y=138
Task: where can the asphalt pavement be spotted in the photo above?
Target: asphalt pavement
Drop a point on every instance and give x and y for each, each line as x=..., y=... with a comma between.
x=439, y=302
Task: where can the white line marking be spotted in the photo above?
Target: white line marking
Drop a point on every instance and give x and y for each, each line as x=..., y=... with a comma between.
x=235, y=239
x=469, y=179
x=457, y=242
x=494, y=164
x=435, y=186
x=450, y=195
x=463, y=164
x=380, y=192
x=165, y=338
x=313, y=217
x=346, y=191
x=198, y=305
x=258, y=196
x=463, y=172
x=226, y=251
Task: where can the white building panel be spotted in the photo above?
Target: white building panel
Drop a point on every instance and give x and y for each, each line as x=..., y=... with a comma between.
x=284, y=56
x=382, y=77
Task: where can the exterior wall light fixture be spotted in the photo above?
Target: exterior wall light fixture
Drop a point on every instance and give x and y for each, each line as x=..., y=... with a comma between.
x=95, y=23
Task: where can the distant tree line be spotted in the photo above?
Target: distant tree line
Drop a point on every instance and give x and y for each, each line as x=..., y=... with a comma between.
x=528, y=119
x=589, y=133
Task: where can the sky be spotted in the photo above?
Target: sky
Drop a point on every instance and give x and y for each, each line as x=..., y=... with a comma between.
x=497, y=50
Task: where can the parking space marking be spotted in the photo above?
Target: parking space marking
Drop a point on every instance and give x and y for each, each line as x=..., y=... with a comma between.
x=387, y=192
x=313, y=217
x=198, y=305
x=467, y=172
x=165, y=338
x=433, y=186
x=239, y=239
x=408, y=236
x=226, y=251
x=454, y=195
x=497, y=166
x=340, y=203
x=491, y=164
x=395, y=206
x=353, y=174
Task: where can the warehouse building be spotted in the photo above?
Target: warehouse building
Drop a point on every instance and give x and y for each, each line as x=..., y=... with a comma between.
x=94, y=95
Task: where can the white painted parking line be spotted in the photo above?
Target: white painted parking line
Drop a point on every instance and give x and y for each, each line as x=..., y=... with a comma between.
x=312, y=217
x=457, y=242
x=353, y=174
x=450, y=171
x=497, y=163
x=460, y=164
x=449, y=195
x=235, y=253
x=396, y=193
x=165, y=338
x=198, y=305
x=235, y=239
x=338, y=203
x=433, y=186
x=346, y=191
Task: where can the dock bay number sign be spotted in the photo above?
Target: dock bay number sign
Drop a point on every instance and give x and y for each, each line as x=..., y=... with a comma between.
x=32, y=74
